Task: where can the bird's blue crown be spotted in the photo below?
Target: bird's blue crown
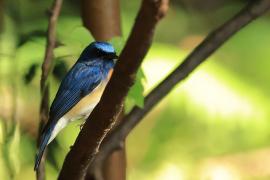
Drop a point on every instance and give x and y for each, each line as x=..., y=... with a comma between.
x=97, y=49
x=103, y=46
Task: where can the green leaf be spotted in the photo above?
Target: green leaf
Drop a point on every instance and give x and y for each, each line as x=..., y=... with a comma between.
x=74, y=40
x=67, y=50
x=31, y=52
x=135, y=95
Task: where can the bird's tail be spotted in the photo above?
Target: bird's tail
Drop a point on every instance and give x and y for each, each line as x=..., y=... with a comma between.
x=46, y=134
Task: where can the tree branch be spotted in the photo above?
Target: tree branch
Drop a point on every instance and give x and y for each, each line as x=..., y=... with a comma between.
x=103, y=116
x=51, y=41
x=211, y=43
x=113, y=167
x=102, y=18
x=46, y=67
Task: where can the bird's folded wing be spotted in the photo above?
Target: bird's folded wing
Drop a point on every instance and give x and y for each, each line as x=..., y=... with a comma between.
x=79, y=82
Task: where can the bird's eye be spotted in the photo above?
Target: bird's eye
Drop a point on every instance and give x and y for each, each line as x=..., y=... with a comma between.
x=99, y=52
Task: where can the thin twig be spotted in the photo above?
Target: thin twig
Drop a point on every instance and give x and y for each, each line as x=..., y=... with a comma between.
x=51, y=41
x=46, y=67
x=211, y=43
x=105, y=113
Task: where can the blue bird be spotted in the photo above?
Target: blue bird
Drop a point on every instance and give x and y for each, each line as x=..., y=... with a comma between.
x=79, y=92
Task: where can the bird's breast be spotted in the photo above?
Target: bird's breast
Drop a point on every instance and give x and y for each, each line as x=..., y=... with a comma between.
x=86, y=105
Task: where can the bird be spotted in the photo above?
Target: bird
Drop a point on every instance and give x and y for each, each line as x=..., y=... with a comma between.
x=79, y=91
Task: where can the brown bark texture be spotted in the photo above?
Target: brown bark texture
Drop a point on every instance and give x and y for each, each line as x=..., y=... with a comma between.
x=102, y=18
x=115, y=162
x=113, y=167
x=106, y=112
x=200, y=54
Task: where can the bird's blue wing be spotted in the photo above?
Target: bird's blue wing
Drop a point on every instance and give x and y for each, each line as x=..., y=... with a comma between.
x=79, y=82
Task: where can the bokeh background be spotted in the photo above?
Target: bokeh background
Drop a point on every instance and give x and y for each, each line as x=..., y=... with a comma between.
x=213, y=126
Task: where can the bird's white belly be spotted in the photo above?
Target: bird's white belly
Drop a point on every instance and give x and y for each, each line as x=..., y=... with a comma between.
x=63, y=122
x=84, y=112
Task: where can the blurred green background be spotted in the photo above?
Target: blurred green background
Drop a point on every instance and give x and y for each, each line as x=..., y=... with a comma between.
x=213, y=126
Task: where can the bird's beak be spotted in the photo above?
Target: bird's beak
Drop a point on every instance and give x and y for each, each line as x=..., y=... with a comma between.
x=114, y=57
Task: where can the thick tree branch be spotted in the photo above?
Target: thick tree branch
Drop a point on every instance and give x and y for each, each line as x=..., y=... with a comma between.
x=103, y=117
x=46, y=67
x=113, y=167
x=113, y=164
x=211, y=43
x=102, y=18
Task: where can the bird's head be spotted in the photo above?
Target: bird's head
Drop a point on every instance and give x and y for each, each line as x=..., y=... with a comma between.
x=100, y=50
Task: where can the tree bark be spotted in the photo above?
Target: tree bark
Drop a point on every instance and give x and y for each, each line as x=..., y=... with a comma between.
x=104, y=115
x=200, y=54
x=113, y=167
x=102, y=18
x=115, y=162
